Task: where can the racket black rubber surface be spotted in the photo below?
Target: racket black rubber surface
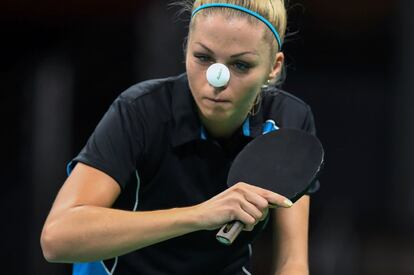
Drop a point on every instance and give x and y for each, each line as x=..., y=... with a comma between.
x=285, y=161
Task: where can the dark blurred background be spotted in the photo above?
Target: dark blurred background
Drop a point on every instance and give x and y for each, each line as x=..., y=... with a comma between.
x=62, y=64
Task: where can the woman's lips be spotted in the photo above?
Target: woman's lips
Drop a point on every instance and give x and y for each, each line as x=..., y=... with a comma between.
x=217, y=100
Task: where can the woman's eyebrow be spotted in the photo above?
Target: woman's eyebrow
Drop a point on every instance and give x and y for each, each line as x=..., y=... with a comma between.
x=205, y=47
x=243, y=53
x=233, y=56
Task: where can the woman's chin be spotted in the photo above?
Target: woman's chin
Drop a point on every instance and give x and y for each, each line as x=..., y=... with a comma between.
x=216, y=115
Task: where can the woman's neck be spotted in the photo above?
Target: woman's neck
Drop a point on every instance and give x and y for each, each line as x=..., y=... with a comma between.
x=223, y=128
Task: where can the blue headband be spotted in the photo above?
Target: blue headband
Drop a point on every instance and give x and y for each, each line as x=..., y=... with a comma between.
x=243, y=9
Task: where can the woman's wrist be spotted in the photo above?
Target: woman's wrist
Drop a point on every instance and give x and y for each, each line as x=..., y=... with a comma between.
x=188, y=218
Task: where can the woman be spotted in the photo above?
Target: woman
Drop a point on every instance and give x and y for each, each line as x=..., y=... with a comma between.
x=164, y=148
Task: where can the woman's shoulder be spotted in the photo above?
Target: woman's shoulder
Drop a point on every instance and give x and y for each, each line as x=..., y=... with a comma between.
x=275, y=98
x=287, y=110
x=159, y=88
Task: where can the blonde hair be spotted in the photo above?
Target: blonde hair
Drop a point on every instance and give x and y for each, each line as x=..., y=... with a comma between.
x=273, y=10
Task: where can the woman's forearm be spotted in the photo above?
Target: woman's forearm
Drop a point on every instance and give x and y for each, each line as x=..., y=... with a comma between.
x=293, y=269
x=89, y=233
x=291, y=238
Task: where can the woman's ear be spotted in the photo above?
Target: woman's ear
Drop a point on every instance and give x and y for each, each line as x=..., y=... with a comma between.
x=277, y=66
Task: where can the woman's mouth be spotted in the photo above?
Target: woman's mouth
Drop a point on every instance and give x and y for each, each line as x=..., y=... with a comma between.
x=217, y=100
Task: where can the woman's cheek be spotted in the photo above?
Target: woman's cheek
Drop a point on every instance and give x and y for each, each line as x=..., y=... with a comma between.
x=245, y=97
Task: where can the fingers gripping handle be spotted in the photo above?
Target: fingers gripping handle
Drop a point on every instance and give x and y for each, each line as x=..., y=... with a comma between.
x=229, y=232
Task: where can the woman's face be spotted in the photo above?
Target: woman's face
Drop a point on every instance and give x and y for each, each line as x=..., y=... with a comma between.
x=242, y=47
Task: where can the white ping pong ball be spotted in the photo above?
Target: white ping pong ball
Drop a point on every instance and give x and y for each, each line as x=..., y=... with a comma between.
x=218, y=75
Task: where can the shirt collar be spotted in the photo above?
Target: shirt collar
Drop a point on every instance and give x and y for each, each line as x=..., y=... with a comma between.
x=245, y=130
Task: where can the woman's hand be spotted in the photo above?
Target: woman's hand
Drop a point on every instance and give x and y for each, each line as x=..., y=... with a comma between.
x=243, y=202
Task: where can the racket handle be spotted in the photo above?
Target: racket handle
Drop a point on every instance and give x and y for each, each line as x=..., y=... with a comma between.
x=229, y=232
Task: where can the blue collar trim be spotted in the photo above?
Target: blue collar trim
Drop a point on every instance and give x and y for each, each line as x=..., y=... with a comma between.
x=203, y=133
x=246, y=127
x=268, y=126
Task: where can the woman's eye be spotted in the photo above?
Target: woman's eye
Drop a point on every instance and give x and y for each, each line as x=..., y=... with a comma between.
x=242, y=66
x=203, y=58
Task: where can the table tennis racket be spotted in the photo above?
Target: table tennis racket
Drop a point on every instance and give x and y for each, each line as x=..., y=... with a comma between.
x=285, y=161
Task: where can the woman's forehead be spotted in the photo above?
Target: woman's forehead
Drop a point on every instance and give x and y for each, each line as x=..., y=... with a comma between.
x=225, y=19
x=220, y=30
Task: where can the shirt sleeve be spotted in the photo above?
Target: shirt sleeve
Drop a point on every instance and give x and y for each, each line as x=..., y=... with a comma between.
x=309, y=126
x=116, y=143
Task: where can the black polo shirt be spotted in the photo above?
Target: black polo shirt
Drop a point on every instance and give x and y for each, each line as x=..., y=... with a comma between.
x=153, y=144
